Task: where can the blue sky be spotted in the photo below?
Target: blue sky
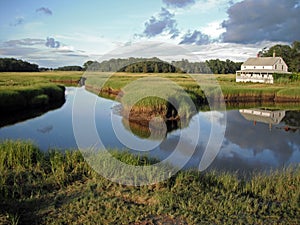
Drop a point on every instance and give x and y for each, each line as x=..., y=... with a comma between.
x=55, y=33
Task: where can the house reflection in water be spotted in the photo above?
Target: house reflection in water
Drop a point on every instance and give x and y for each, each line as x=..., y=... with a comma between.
x=271, y=117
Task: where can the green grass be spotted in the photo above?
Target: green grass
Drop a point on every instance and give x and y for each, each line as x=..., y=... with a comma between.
x=231, y=90
x=278, y=89
x=33, y=78
x=25, y=97
x=60, y=188
x=12, y=83
x=143, y=100
x=19, y=91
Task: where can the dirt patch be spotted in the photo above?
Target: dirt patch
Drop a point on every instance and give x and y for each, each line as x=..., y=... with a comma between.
x=161, y=220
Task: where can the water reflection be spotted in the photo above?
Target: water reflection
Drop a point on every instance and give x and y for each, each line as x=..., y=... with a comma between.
x=270, y=117
x=46, y=129
x=249, y=144
x=23, y=115
x=153, y=129
x=249, y=147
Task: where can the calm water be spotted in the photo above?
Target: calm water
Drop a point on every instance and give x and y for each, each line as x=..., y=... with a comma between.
x=251, y=142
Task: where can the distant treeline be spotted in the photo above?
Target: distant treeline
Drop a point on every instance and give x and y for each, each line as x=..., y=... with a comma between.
x=69, y=68
x=290, y=54
x=155, y=65
x=15, y=65
x=115, y=65
x=150, y=67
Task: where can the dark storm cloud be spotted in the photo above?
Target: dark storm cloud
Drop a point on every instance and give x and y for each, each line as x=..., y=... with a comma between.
x=44, y=10
x=179, y=3
x=52, y=43
x=163, y=22
x=252, y=21
x=197, y=37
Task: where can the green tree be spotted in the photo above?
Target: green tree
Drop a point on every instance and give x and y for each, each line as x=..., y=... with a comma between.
x=87, y=64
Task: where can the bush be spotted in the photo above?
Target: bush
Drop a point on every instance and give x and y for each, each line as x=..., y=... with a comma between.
x=286, y=78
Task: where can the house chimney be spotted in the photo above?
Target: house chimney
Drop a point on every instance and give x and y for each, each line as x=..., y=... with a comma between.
x=274, y=53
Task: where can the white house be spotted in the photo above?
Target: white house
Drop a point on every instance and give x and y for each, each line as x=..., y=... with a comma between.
x=261, y=69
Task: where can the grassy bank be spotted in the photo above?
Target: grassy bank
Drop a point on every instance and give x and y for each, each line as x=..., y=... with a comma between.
x=26, y=97
x=232, y=91
x=19, y=91
x=281, y=89
x=33, y=78
x=60, y=188
x=201, y=89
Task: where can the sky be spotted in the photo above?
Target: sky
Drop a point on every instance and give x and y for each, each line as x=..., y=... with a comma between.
x=55, y=33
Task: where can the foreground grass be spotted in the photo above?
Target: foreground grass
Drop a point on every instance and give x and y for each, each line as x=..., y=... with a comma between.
x=60, y=188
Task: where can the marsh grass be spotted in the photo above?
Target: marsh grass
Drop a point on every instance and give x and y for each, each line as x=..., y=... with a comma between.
x=278, y=89
x=60, y=188
x=19, y=91
x=232, y=91
x=20, y=97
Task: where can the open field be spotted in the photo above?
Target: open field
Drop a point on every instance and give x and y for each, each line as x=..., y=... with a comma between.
x=33, y=78
x=60, y=188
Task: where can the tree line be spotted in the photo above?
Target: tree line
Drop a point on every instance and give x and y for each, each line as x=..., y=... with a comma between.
x=15, y=65
x=150, y=67
x=155, y=65
x=69, y=68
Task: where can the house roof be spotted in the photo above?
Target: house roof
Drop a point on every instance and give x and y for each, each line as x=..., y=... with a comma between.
x=261, y=61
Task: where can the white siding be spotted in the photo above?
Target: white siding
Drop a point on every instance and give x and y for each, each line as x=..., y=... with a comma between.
x=280, y=67
x=257, y=67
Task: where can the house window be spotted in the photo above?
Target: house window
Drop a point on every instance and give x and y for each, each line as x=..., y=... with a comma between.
x=282, y=67
x=275, y=67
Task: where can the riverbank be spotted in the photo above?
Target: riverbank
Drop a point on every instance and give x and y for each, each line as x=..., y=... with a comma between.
x=60, y=188
x=33, y=90
x=208, y=88
x=280, y=92
x=14, y=86
x=15, y=99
